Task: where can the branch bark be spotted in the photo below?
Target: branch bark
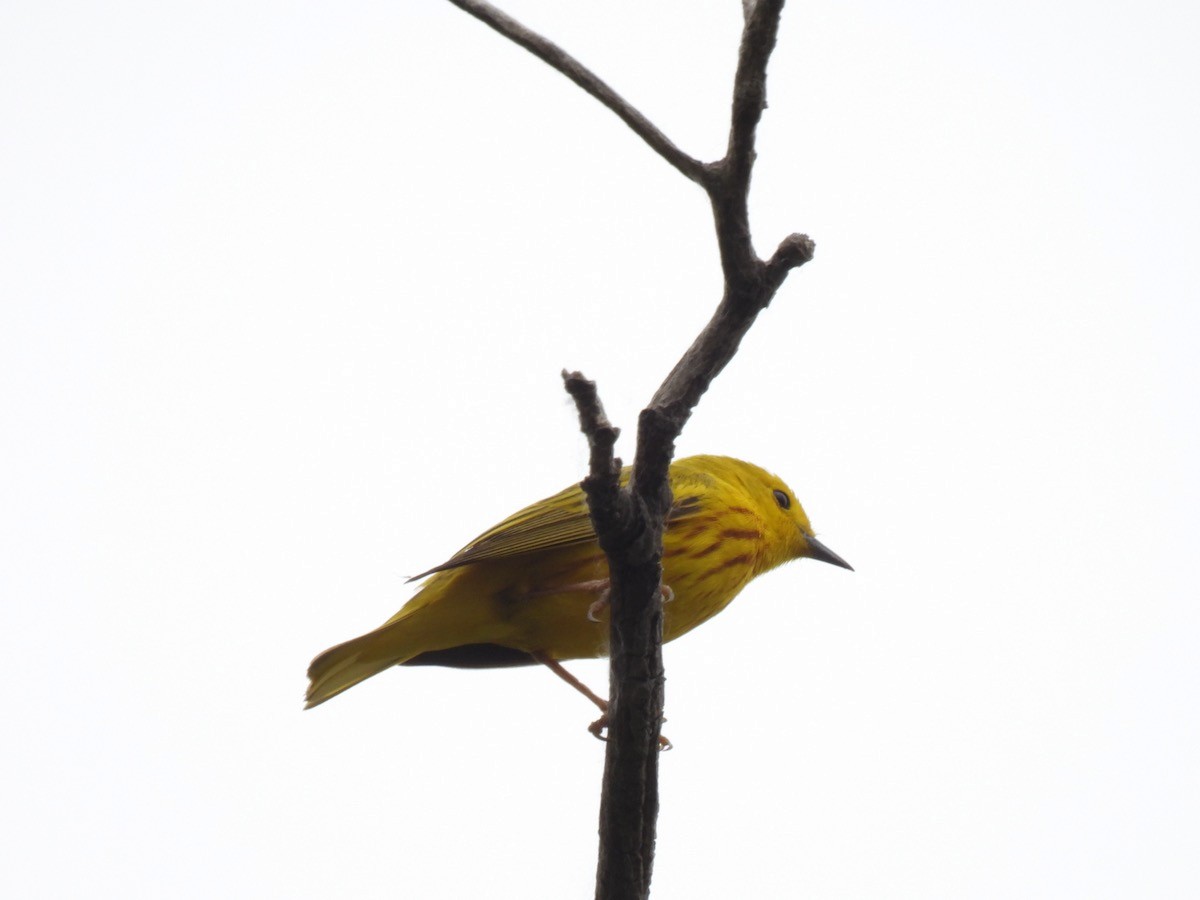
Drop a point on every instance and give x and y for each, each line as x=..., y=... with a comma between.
x=629, y=520
x=631, y=537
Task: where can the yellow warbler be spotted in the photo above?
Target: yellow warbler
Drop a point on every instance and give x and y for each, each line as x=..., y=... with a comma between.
x=533, y=589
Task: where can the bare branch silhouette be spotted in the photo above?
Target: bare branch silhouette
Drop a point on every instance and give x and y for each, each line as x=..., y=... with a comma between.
x=629, y=521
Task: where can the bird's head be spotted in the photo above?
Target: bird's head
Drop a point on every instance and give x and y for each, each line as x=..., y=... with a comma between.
x=789, y=533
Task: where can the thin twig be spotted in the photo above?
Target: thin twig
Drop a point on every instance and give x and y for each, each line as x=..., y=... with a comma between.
x=593, y=422
x=553, y=55
x=608, y=506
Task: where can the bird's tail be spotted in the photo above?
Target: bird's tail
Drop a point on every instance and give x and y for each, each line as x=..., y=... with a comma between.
x=340, y=668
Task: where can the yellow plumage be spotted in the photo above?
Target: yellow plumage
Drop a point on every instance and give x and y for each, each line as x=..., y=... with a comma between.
x=526, y=590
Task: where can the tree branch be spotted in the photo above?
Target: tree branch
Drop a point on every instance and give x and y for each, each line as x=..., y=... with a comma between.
x=629, y=521
x=717, y=344
x=750, y=87
x=554, y=56
x=633, y=543
x=729, y=183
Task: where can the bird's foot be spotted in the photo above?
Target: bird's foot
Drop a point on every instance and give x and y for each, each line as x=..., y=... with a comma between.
x=598, y=728
x=600, y=605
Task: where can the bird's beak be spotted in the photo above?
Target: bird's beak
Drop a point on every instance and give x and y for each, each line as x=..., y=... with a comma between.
x=817, y=550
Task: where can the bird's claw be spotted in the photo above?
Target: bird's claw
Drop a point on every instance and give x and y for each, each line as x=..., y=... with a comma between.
x=597, y=607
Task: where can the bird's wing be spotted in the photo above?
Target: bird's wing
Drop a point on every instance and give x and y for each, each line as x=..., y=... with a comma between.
x=553, y=523
x=558, y=521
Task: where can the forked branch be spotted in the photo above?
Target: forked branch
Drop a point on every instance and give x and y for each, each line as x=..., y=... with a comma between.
x=629, y=520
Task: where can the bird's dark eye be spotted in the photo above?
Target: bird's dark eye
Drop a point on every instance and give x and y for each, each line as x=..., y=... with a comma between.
x=782, y=499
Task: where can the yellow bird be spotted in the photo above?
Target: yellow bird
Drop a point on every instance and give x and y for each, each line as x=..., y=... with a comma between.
x=534, y=588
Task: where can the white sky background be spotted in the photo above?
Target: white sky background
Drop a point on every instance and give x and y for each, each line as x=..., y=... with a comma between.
x=284, y=295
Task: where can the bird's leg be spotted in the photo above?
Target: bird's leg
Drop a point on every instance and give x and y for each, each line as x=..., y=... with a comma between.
x=597, y=727
x=556, y=667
